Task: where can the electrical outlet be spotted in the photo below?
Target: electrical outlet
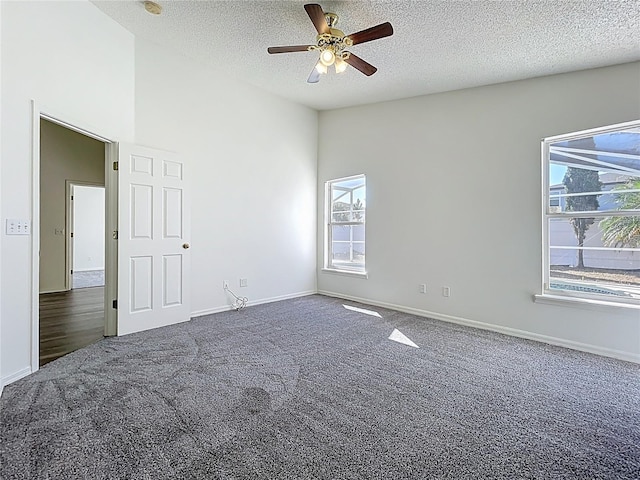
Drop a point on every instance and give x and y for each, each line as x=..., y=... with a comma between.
x=423, y=288
x=244, y=282
x=446, y=291
x=225, y=284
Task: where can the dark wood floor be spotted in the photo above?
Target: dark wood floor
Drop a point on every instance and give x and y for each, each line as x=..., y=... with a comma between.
x=69, y=321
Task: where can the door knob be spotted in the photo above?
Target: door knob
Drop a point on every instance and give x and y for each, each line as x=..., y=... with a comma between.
x=185, y=245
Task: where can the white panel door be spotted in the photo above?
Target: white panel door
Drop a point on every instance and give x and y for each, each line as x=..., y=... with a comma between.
x=153, y=233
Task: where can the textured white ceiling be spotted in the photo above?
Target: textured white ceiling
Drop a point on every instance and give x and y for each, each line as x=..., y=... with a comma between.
x=437, y=45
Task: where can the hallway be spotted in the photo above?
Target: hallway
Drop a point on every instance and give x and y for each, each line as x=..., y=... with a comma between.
x=70, y=320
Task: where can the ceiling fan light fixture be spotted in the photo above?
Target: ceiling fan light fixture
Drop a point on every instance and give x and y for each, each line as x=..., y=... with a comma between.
x=327, y=56
x=332, y=44
x=340, y=65
x=321, y=67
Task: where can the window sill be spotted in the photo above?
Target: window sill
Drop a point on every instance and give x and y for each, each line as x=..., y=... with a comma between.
x=347, y=273
x=578, y=302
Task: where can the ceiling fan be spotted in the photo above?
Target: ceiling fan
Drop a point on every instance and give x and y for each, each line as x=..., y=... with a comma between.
x=333, y=43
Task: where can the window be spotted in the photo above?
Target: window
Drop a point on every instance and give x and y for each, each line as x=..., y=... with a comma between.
x=592, y=214
x=346, y=205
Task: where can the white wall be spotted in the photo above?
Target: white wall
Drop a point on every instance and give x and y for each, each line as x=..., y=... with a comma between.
x=251, y=163
x=250, y=156
x=88, y=230
x=64, y=155
x=445, y=173
x=1, y=217
x=79, y=65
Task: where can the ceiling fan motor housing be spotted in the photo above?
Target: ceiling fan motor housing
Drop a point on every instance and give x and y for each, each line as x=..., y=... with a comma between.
x=334, y=40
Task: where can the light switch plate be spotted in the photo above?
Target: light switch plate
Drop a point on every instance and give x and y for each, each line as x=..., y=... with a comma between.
x=16, y=226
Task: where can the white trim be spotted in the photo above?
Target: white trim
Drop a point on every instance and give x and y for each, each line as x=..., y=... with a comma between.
x=591, y=131
x=35, y=238
x=348, y=273
x=350, y=177
x=210, y=311
x=583, y=302
x=70, y=219
x=226, y=308
x=51, y=291
x=14, y=377
x=574, y=293
x=111, y=245
x=75, y=126
x=40, y=112
x=68, y=230
x=545, y=203
x=1, y=384
x=514, y=332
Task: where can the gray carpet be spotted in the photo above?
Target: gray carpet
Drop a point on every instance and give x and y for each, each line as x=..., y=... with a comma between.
x=305, y=389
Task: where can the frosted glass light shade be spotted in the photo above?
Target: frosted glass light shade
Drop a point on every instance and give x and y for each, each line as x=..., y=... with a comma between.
x=327, y=57
x=340, y=65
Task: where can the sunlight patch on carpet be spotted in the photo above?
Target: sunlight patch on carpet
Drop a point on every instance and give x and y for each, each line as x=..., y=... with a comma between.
x=398, y=336
x=363, y=310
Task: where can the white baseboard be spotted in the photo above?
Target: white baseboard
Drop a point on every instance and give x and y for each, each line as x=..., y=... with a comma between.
x=514, y=332
x=210, y=311
x=53, y=291
x=14, y=377
x=226, y=308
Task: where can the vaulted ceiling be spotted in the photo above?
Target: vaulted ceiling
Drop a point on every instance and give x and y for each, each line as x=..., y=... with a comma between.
x=437, y=45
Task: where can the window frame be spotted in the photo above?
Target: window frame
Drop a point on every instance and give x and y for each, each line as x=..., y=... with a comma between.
x=555, y=295
x=329, y=264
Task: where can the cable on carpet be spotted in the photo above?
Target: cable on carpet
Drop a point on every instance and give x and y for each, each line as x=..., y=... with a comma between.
x=240, y=302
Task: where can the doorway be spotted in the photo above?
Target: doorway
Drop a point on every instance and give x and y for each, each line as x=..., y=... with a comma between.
x=147, y=263
x=85, y=235
x=71, y=206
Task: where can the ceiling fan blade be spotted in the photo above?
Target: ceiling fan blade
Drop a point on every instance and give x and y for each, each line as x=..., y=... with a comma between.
x=314, y=76
x=359, y=64
x=289, y=49
x=317, y=17
x=373, y=33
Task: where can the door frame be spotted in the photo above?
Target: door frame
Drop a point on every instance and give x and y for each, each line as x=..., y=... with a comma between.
x=39, y=112
x=69, y=222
